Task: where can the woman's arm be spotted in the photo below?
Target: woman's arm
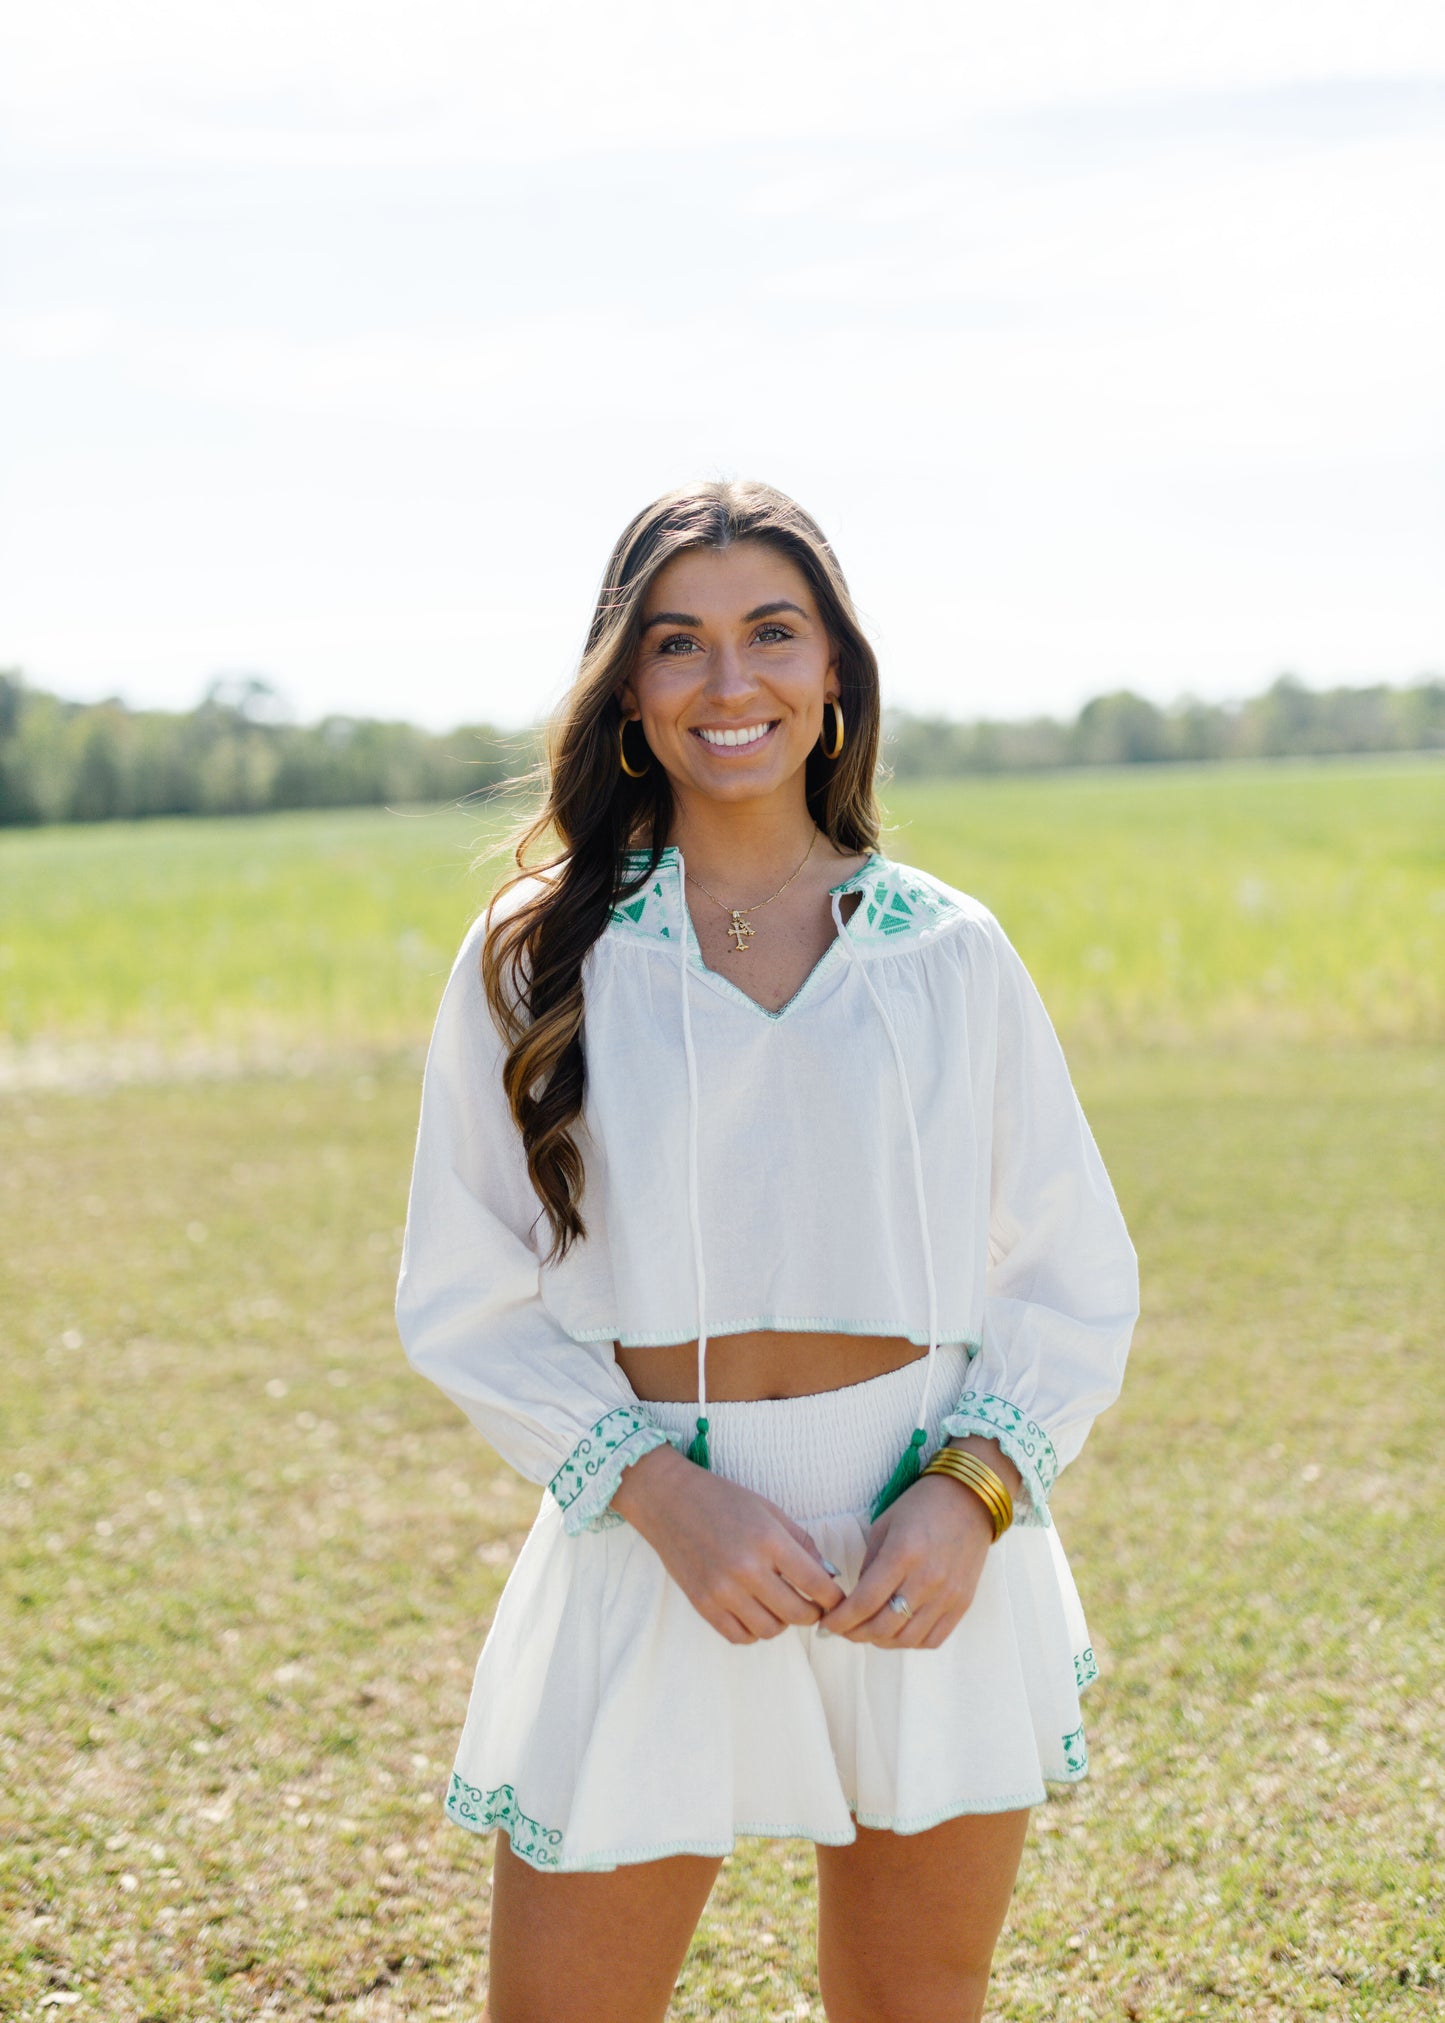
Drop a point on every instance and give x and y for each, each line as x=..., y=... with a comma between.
x=469, y=1307
x=1061, y=1299
x=1062, y=1287
x=471, y=1317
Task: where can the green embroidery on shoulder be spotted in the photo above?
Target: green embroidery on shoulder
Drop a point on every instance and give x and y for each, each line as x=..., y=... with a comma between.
x=645, y=913
x=897, y=903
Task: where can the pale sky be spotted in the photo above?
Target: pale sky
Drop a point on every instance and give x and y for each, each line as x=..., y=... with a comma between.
x=338, y=342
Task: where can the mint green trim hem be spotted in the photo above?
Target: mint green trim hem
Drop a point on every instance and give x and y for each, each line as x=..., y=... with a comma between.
x=625, y=1857
x=922, y=1821
x=800, y=1324
x=587, y=1480
x=535, y=1845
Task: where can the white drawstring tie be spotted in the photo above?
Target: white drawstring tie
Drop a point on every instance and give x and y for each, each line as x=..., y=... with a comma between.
x=698, y=1450
x=920, y=1431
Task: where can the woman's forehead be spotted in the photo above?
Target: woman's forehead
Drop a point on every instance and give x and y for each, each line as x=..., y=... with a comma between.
x=721, y=582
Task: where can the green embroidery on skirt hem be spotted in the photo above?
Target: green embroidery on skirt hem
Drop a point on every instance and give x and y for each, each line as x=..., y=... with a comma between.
x=1076, y=1753
x=624, y=1857
x=480, y=1811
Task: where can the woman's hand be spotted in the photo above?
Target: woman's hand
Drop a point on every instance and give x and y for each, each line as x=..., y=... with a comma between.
x=745, y=1566
x=930, y=1545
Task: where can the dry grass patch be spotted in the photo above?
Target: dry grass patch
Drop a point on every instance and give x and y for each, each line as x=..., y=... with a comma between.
x=249, y=1559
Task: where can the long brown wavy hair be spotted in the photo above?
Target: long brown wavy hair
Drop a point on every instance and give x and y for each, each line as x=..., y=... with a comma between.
x=532, y=955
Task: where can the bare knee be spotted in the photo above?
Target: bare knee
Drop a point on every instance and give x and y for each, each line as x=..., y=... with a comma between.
x=908, y=1923
x=903, y=1990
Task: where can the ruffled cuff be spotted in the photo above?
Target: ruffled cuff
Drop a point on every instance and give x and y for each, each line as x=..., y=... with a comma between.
x=1024, y=1441
x=587, y=1480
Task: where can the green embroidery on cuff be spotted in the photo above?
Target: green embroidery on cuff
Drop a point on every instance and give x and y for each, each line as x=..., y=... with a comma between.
x=482, y=1810
x=592, y=1452
x=594, y=1467
x=1086, y=1669
x=1024, y=1441
x=1076, y=1753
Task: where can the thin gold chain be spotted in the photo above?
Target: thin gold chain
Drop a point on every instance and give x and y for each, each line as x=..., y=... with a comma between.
x=742, y=929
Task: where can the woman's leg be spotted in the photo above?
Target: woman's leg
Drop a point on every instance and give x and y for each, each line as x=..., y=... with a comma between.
x=607, y=1947
x=907, y=1922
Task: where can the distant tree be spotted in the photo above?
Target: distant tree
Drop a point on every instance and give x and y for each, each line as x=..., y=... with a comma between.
x=1120, y=729
x=238, y=751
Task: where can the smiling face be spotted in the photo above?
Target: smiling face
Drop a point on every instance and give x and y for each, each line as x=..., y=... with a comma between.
x=732, y=672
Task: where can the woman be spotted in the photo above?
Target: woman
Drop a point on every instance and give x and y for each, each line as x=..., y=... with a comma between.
x=754, y=1214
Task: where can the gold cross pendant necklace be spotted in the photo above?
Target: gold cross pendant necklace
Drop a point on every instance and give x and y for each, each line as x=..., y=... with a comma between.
x=741, y=928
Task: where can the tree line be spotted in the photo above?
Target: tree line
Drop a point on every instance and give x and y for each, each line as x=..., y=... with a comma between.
x=1288, y=720
x=231, y=755
x=236, y=754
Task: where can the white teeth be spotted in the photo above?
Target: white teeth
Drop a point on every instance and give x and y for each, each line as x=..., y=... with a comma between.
x=748, y=736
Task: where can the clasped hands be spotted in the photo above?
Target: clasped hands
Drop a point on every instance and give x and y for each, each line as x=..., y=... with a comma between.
x=750, y=1570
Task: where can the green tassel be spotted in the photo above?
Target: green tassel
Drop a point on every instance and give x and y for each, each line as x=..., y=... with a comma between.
x=903, y=1476
x=698, y=1450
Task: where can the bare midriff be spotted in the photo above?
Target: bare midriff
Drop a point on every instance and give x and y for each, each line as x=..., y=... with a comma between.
x=767, y=1363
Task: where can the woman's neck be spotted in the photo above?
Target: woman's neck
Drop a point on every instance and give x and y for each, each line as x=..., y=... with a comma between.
x=754, y=851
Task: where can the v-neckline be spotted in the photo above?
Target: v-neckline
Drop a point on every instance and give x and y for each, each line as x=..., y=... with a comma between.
x=826, y=961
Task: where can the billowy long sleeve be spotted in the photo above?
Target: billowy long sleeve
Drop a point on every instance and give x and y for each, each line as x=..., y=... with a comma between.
x=1061, y=1294
x=469, y=1305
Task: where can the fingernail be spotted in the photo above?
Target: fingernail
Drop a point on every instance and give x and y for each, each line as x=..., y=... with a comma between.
x=828, y=1567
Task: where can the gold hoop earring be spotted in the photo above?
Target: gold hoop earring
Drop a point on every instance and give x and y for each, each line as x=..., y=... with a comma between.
x=632, y=772
x=837, y=731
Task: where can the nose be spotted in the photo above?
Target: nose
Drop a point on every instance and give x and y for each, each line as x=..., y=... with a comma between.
x=730, y=680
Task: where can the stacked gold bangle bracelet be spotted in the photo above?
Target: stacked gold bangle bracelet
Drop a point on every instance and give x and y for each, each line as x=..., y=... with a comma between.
x=980, y=1478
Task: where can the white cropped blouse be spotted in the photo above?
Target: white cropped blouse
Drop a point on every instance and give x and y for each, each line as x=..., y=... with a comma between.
x=898, y=1151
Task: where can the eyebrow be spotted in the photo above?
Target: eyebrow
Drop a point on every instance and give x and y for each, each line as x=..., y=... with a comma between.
x=751, y=618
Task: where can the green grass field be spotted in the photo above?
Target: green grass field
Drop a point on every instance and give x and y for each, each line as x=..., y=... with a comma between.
x=1155, y=906
x=248, y=1558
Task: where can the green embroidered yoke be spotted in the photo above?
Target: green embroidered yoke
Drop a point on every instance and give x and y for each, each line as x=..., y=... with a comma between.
x=896, y=1151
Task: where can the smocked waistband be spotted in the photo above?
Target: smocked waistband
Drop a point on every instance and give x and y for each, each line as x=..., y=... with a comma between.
x=829, y=1451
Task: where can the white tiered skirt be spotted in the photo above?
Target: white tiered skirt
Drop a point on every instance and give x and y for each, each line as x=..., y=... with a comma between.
x=610, y=1723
